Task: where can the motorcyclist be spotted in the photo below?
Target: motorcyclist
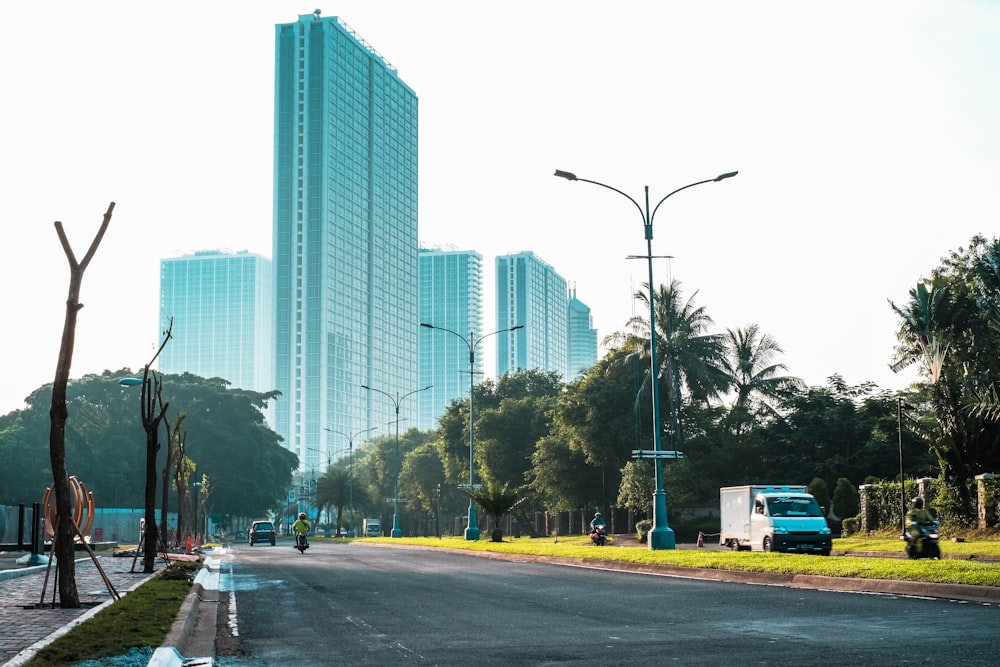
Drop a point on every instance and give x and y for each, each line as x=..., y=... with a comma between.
x=597, y=523
x=916, y=518
x=300, y=527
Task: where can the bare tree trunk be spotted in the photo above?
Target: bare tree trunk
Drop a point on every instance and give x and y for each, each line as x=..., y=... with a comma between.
x=164, y=539
x=65, y=534
x=152, y=410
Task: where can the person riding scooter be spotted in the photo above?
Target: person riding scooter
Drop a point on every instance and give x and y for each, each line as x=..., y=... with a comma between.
x=301, y=529
x=917, y=519
x=598, y=530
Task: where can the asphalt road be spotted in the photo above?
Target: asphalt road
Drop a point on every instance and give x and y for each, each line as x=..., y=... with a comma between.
x=352, y=604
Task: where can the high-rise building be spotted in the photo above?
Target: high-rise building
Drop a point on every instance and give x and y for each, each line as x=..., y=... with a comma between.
x=345, y=237
x=532, y=294
x=222, y=305
x=451, y=297
x=582, y=337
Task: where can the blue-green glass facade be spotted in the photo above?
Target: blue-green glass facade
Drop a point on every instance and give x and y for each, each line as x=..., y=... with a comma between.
x=581, y=352
x=345, y=237
x=451, y=297
x=222, y=305
x=531, y=293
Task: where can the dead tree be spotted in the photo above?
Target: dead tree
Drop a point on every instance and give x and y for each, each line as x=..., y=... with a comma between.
x=153, y=409
x=65, y=533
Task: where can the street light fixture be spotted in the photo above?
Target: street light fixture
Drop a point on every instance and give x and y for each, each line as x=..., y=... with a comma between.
x=350, y=473
x=472, y=531
x=661, y=536
x=396, y=400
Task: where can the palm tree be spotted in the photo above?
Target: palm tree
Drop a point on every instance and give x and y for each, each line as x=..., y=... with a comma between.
x=689, y=358
x=495, y=501
x=332, y=491
x=756, y=379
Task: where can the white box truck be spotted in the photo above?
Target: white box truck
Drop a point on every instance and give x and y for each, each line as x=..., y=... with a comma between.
x=773, y=518
x=372, y=527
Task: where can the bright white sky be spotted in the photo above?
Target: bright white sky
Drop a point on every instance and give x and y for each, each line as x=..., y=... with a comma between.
x=866, y=135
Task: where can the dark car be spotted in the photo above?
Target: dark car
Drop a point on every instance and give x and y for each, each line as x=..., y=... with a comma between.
x=261, y=531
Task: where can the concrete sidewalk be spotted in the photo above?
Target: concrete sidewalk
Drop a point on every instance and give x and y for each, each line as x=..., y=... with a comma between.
x=27, y=623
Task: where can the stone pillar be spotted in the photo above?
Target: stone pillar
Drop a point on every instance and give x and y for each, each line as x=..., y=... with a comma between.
x=868, y=522
x=923, y=488
x=987, y=515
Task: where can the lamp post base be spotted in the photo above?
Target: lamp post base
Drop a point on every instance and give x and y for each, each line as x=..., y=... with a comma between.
x=661, y=536
x=396, y=530
x=472, y=531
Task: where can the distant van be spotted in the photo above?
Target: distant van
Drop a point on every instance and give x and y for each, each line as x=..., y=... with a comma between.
x=373, y=528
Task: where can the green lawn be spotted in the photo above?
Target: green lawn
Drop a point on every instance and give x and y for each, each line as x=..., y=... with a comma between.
x=940, y=571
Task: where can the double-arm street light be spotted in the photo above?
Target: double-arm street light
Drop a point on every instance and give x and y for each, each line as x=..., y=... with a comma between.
x=472, y=531
x=350, y=473
x=396, y=400
x=661, y=536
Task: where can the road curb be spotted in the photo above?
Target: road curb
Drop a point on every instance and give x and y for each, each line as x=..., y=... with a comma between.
x=205, y=590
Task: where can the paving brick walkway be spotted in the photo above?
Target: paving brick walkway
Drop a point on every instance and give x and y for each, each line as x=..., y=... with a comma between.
x=22, y=625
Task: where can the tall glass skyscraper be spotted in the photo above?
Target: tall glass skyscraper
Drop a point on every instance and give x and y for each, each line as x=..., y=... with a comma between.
x=345, y=237
x=451, y=297
x=582, y=338
x=531, y=293
x=222, y=305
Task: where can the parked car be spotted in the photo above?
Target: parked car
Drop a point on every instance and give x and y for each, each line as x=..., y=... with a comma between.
x=261, y=531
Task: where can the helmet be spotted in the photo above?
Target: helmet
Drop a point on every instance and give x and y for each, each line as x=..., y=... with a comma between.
x=918, y=503
x=302, y=515
x=597, y=514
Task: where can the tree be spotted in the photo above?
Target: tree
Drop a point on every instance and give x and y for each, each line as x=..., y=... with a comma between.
x=636, y=491
x=64, y=540
x=153, y=411
x=495, y=500
x=950, y=327
x=756, y=379
x=105, y=442
x=690, y=359
x=332, y=490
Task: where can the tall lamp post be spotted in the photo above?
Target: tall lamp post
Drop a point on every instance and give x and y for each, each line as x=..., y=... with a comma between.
x=472, y=531
x=350, y=473
x=396, y=400
x=661, y=536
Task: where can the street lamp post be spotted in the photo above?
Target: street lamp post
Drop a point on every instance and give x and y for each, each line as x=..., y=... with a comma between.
x=350, y=474
x=661, y=536
x=472, y=531
x=396, y=400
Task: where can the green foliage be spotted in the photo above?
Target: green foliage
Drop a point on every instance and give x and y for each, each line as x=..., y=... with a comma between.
x=105, y=443
x=642, y=529
x=638, y=484
x=947, y=504
x=851, y=525
x=845, y=498
x=495, y=500
x=819, y=489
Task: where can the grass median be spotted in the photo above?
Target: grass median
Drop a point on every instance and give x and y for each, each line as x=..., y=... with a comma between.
x=949, y=571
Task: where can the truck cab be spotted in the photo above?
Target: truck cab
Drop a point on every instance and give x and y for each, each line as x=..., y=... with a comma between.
x=789, y=522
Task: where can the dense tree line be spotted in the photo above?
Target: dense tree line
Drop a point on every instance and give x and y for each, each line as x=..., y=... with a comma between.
x=105, y=443
x=727, y=403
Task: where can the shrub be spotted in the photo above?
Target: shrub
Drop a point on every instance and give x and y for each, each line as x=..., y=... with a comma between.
x=850, y=525
x=845, y=498
x=819, y=489
x=642, y=529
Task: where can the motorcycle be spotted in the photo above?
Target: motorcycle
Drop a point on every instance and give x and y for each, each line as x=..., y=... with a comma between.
x=598, y=536
x=301, y=543
x=924, y=545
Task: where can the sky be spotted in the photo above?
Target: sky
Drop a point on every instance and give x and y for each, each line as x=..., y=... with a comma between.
x=866, y=136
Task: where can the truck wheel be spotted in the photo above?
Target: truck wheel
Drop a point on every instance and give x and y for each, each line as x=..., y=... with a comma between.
x=824, y=552
x=766, y=545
